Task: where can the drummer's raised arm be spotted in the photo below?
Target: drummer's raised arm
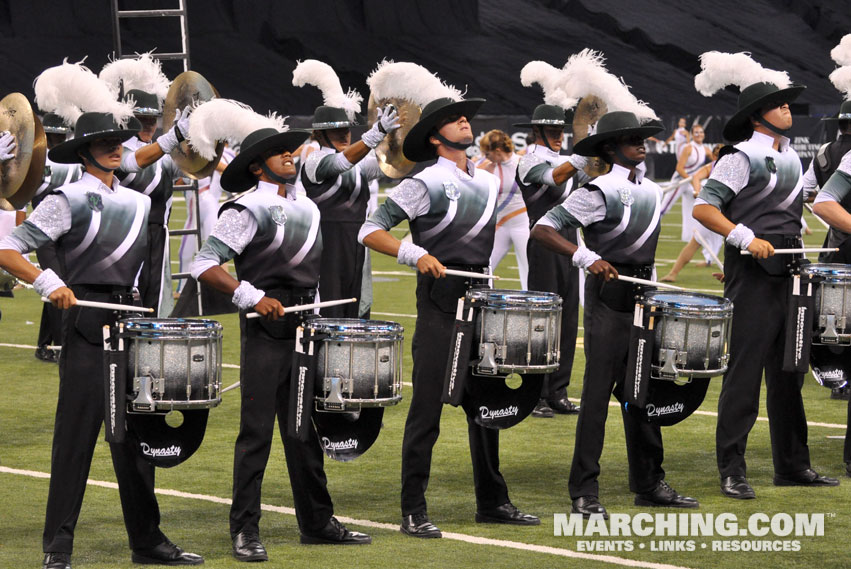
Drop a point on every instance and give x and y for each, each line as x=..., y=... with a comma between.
x=828, y=205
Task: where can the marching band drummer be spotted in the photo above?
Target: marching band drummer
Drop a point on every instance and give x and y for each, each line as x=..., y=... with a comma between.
x=100, y=265
x=753, y=197
x=619, y=215
x=273, y=236
x=462, y=241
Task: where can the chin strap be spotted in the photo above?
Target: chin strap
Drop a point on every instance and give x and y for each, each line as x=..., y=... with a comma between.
x=450, y=144
x=274, y=177
x=764, y=122
x=86, y=153
x=539, y=135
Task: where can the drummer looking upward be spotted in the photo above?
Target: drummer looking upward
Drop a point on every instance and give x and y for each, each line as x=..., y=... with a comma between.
x=619, y=215
x=99, y=230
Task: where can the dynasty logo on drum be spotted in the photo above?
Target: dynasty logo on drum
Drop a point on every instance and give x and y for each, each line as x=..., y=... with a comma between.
x=490, y=415
x=148, y=450
x=336, y=446
x=672, y=409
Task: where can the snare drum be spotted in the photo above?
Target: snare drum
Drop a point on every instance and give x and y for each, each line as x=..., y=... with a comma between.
x=692, y=334
x=172, y=363
x=517, y=331
x=832, y=303
x=359, y=363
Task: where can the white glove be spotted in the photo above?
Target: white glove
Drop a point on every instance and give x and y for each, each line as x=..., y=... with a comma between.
x=246, y=296
x=169, y=140
x=7, y=145
x=741, y=236
x=584, y=257
x=577, y=161
x=386, y=120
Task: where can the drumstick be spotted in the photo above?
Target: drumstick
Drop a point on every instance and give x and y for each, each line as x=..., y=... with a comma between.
x=106, y=305
x=810, y=209
x=648, y=283
x=712, y=254
x=229, y=387
x=456, y=273
x=799, y=250
x=675, y=185
x=303, y=307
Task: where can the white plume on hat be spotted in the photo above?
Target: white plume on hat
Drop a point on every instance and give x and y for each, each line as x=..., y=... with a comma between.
x=551, y=80
x=409, y=81
x=322, y=76
x=719, y=69
x=143, y=73
x=841, y=76
x=585, y=74
x=225, y=119
x=71, y=89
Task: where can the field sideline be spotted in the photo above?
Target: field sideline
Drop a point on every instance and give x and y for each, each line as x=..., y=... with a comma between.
x=535, y=459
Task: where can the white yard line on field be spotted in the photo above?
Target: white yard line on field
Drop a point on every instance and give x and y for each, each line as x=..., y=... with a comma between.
x=473, y=539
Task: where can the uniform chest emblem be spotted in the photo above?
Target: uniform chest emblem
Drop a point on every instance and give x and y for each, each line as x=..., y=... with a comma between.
x=451, y=190
x=626, y=196
x=279, y=216
x=769, y=163
x=94, y=201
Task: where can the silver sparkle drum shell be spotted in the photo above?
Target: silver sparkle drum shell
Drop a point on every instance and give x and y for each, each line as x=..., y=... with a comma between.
x=359, y=363
x=832, y=296
x=691, y=334
x=516, y=331
x=173, y=363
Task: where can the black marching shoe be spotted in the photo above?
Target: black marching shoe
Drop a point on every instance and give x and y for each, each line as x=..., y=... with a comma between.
x=543, y=411
x=335, y=533
x=57, y=561
x=247, y=547
x=506, y=514
x=563, y=406
x=418, y=525
x=737, y=487
x=808, y=477
x=589, y=506
x=666, y=497
x=166, y=553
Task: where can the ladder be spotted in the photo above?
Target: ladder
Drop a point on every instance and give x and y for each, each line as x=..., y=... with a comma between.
x=179, y=12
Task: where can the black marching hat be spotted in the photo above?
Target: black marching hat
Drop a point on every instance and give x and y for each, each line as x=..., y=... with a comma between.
x=844, y=113
x=613, y=125
x=91, y=127
x=146, y=103
x=237, y=177
x=416, y=146
x=751, y=100
x=54, y=124
x=329, y=118
x=548, y=115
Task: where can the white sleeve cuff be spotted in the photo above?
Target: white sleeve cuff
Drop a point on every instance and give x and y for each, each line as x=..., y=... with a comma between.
x=47, y=282
x=740, y=237
x=409, y=254
x=824, y=197
x=341, y=163
x=584, y=257
x=246, y=296
x=548, y=178
x=129, y=163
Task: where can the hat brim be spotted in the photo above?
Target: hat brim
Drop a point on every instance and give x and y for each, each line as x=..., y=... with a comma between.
x=66, y=153
x=739, y=127
x=359, y=121
x=416, y=147
x=565, y=126
x=237, y=178
x=590, y=146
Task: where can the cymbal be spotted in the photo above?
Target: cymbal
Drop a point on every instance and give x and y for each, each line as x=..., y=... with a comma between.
x=391, y=160
x=189, y=88
x=588, y=111
x=22, y=175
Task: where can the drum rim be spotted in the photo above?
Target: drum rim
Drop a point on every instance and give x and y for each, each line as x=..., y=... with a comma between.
x=547, y=298
x=724, y=307
x=137, y=323
x=815, y=269
x=380, y=325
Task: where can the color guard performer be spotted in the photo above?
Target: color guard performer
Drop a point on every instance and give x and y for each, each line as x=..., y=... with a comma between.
x=754, y=199
x=336, y=177
x=272, y=234
x=463, y=241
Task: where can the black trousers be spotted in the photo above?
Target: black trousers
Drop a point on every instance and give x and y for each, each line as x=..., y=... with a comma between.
x=552, y=272
x=430, y=350
x=341, y=267
x=79, y=416
x=50, y=328
x=606, y=350
x=150, y=279
x=265, y=391
x=759, y=324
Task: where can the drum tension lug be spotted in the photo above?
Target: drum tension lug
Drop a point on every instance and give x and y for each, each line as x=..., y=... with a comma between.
x=669, y=365
x=487, y=363
x=144, y=401
x=829, y=336
x=335, y=386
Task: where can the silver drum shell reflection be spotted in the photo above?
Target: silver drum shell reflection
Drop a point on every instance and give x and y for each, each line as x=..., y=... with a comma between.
x=517, y=331
x=173, y=363
x=692, y=334
x=832, y=313
x=359, y=364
